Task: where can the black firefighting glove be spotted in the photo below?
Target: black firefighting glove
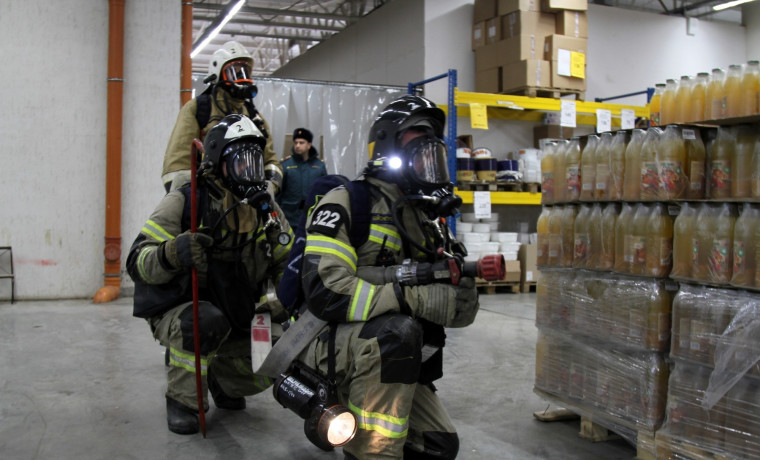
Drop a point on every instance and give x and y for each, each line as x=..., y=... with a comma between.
x=188, y=250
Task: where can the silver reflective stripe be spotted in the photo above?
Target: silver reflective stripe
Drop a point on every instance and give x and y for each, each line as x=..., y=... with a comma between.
x=361, y=301
x=378, y=233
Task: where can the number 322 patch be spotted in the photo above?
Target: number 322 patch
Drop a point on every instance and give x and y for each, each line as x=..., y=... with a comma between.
x=328, y=219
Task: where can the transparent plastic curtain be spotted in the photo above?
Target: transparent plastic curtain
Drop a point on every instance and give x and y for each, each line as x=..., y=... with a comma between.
x=340, y=113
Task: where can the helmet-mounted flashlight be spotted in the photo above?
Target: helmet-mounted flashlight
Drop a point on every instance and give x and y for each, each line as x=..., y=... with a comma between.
x=327, y=424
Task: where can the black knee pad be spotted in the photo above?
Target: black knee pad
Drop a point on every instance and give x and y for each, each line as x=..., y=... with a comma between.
x=438, y=446
x=400, y=340
x=213, y=327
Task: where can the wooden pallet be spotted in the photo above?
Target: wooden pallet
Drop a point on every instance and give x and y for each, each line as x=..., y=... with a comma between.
x=555, y=415
x=552, y=93
x=595, y=432
x=531, y=187
x=527, y=286
x=491, y=287
x=476, y=186
x=509, y=186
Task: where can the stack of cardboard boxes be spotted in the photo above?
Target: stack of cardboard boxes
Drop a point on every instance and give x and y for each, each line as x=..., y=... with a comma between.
x=529, y=44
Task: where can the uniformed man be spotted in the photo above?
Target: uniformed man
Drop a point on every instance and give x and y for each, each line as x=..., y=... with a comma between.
x=389, y=330
x=300, y=169
x=238, y=251
x=231, y=90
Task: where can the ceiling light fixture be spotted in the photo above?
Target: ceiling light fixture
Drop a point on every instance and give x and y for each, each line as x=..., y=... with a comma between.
x=232, y=12
x=724, y=6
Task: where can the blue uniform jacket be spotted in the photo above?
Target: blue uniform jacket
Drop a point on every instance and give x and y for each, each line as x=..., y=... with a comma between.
x=298, y=175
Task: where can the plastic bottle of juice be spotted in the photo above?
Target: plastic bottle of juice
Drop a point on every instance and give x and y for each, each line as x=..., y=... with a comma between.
x=573, y=169
x=617, y=165
x=683, y=236
x=632, y=176
x=659, y=244
x=698, y=95
x=595, y=233
x=672, y=164
x=668, y=110
x=650, y=181
x=695, y=163
x=755, y=177
x=743, y=273
x=702, y=242
x=602, y=156
x=733, y=85
x=588, y=168
x=655, y=105
x=720, y=164
x=567, y=231
x=547, y=174
x=741, y=163
x=554, y=258
x=751, y=88
x=609, y=221
x=560, y=180
x=582, y=237
x=639, y=239
x=542, y=237
x=623, y=241
x=683, y=100
x=715, y=104
x=721, y=257
x=657, y=333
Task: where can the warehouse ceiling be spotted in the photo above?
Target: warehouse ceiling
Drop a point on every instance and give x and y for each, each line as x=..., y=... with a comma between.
x=276, y=31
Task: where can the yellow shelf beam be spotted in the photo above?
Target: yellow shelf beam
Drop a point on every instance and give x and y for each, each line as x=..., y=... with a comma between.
x=516, y=198
x=521, y=103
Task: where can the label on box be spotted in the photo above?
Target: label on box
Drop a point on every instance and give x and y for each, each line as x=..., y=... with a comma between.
x=577, y=64
x=563, y=62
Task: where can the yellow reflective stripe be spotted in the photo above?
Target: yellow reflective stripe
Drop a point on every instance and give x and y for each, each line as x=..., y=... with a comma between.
x=156, y=232
x=378, y=233
x=186, y=361
x=362, y=299
x=325, y=245
x=261, y=382
x=145, y=252
x=387, y=425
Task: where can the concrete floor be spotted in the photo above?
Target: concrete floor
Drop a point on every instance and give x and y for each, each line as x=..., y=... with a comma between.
x=81, y=380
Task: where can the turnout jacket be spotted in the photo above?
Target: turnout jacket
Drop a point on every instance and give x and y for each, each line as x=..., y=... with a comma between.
x=333, y=290
x=177, y=156
x=240, y=263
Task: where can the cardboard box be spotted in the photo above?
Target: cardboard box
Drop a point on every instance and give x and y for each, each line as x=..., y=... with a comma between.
x=527, y=257
x=553, y=6
x=512, y=269
x=550, y=132
x=493, y=30
x=508, y=6
x=508, y=51
x=572, y=23
x=527, y=22
x=488, y=81
x=566, y=82
x=478, y=35
x=465, y=139
x=529, y=72
x=484, y=10
x=554, y=43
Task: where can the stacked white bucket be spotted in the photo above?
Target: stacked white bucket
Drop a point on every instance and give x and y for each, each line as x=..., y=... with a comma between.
x=482, y=237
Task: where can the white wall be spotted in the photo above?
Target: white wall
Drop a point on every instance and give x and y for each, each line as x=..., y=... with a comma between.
x=751, y=19
x=53, y=124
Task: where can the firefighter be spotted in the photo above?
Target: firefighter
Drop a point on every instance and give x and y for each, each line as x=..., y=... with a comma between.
x=388, y=336
x=240, y=247
x=231, y=90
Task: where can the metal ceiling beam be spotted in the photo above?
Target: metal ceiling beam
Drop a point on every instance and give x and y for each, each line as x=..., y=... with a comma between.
x=223, y=10
x=692, y=6
x=254, y=22
x=276, y=13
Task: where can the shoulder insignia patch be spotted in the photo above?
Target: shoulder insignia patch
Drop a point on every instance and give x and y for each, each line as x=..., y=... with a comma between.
x=327, y=219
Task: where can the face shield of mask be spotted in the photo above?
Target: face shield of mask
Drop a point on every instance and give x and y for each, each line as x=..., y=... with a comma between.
x=238, y=72
x=244, y=166
x=428, y=161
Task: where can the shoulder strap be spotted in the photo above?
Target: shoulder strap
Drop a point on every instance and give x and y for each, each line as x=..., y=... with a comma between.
x=203, y=111
x=359, y=194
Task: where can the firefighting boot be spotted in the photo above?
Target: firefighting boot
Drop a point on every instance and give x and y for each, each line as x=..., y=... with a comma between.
x=180, y=418
x=221, y=400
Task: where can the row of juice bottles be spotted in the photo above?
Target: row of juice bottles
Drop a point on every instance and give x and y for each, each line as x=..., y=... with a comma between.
x=715, y=243
x=728, y=430
x=634, y=312
x=708, y=96
x=625, y=388
x=655, y=164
